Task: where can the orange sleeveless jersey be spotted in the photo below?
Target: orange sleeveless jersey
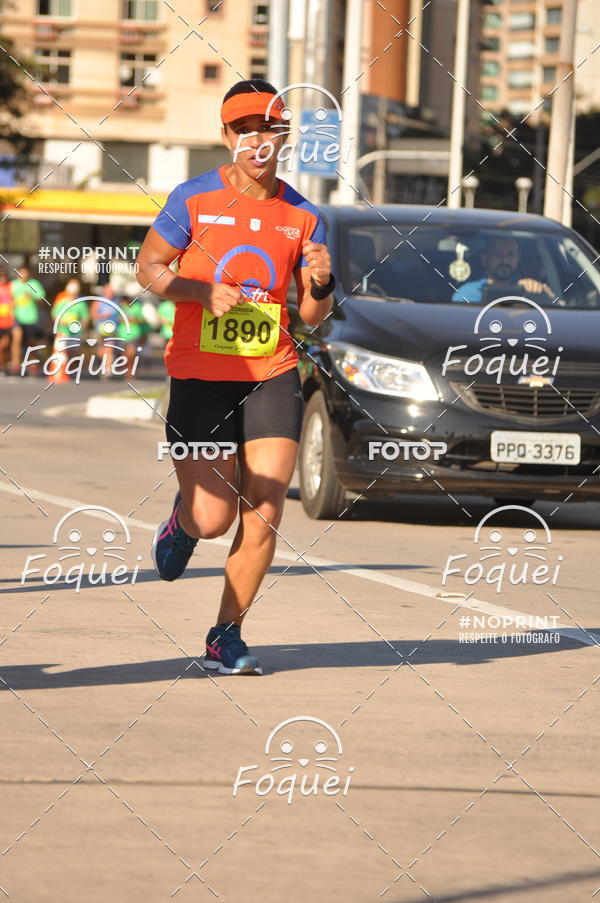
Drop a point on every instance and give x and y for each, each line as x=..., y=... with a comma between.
x=227, y=237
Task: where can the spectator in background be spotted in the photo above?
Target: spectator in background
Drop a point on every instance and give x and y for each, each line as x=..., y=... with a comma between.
x=28, y=294
x=133, y=333
x=70, y=318
x=166, y=315
x=105, y=319
x=10, y=332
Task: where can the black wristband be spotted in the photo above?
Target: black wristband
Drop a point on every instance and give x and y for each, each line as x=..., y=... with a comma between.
x=320, y=292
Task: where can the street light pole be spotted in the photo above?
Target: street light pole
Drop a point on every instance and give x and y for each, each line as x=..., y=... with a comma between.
x=559, y=147
x=278, y=42
x=457, y=128
x=350, y=130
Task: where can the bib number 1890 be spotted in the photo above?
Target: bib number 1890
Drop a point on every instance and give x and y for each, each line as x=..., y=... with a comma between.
x=249, y=330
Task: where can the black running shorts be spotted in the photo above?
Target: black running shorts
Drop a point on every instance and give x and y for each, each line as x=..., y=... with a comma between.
x=203, y=410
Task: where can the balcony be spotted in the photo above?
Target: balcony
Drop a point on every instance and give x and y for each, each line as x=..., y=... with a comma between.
x=132, y=33
x=258, y=36
x=50, y=30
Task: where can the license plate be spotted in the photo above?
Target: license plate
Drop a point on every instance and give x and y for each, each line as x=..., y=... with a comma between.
x=535, y=448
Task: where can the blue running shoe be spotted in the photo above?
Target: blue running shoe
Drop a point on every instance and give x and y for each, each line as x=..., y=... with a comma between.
x=172, y=547
x=227, y=653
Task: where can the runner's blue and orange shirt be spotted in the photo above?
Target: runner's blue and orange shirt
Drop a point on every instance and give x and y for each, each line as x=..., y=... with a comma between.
x=225, y=236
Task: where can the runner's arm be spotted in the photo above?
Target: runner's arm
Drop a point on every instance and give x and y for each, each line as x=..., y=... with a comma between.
x=154, y=274
x=319, y=268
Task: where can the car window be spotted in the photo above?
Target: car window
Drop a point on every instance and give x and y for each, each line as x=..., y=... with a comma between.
x=432, y=264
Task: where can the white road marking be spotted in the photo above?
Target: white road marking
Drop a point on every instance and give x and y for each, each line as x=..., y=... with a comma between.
x=408, y=586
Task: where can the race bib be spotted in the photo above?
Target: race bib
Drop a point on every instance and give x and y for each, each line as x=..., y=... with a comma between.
x=249, y=330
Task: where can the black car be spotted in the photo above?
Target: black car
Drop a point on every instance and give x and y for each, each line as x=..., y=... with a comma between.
x=462, y=356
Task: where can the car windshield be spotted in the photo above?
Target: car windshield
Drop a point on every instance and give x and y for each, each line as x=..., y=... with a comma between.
x=440, y=264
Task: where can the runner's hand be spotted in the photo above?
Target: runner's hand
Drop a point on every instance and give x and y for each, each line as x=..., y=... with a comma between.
x=222, y=298
x=319, y=262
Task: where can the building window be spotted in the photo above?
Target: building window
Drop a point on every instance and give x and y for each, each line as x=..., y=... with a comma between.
x=549, y=74
x=492, y=20
x=551, y=45
x=554, y=16
x=52, y=66
x=140, y=10
x=521, y=21
x=489, y=92
x=260, y=13
x=490, y=67
x=131, y=156
x=136, y=69
x=520, y=78
x=258, y=67
x=520, y=50
x=56, y=8
x=211, y=72
x=491, y=44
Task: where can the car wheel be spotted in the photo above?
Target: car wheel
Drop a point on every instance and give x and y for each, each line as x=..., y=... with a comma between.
x=321, y=493
x=524, y=503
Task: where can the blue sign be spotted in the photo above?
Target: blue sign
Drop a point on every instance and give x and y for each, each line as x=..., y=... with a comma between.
x=318, y=144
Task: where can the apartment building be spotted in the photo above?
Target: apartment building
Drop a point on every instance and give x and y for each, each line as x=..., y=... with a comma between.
x=520, y=53
x=131, y=89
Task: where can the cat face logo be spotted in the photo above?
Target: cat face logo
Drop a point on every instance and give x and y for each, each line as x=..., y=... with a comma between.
x=99, y=540
x=501, y=564
x=103, y=540
x=326, y=741
x=530, y=535
x=320, y=127
x=532, y=331
x=69, y=318
x=304, y=741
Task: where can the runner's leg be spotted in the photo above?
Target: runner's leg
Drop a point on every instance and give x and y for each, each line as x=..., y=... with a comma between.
x=267, y=466
x=209, y=495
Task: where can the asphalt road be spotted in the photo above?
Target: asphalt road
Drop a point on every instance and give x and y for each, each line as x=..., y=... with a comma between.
x=453, y=770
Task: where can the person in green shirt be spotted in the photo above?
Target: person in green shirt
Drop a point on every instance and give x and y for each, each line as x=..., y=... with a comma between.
x=28, y=294
x=132, y=333
x=166, y=315
x=69, y=320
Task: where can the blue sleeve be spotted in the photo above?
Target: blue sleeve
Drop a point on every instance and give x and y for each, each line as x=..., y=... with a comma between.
x=173, y=221
x=470, y=293
x=318, y=235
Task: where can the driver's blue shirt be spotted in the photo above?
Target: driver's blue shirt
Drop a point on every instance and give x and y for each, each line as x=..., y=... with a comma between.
x=471, y=292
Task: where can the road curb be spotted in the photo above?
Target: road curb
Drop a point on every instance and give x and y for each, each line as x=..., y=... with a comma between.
x=115, y=407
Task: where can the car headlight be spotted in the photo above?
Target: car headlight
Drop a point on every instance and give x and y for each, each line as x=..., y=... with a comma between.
x=382, y=374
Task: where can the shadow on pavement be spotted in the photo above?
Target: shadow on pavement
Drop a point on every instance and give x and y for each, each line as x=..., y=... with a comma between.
x=150, y=576
x=489, y=893
x=280, y=658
